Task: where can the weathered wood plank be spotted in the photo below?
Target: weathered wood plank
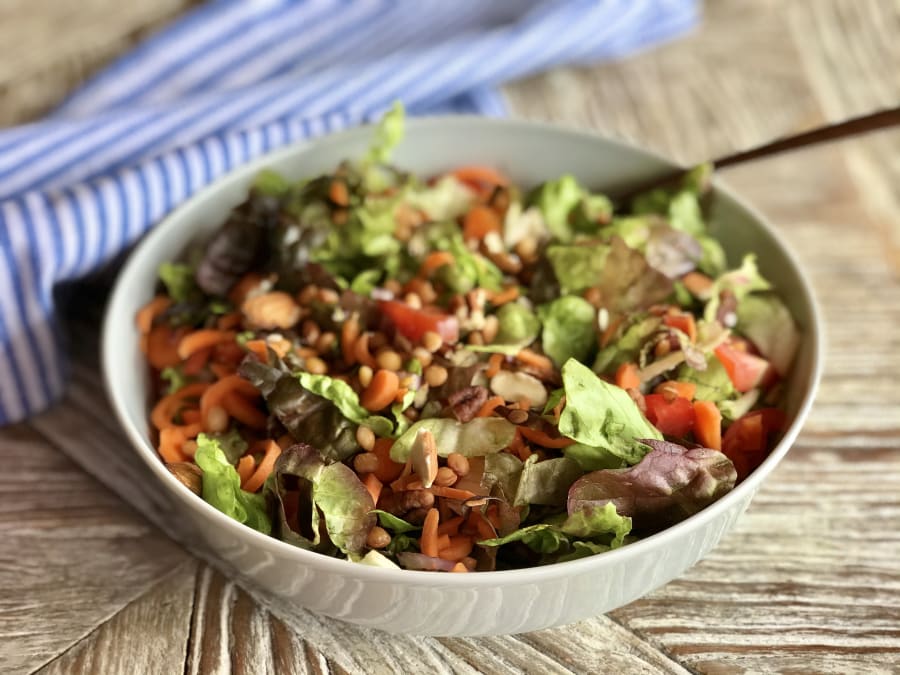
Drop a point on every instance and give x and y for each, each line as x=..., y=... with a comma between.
x=151, y=631
x=73, y=554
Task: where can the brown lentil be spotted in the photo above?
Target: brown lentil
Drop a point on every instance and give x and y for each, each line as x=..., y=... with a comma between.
x=662, y=348
x=310, y=331
x=216, y=419
x=393, y=286
x=329, y=296
x=458, y=463
x=316, y=366
x=432, y=341
x=365, y=437
x=389, y=360
x=445, y=477
x=308, y=294
x=378, y=538
x=365, y=462
x=435, y=375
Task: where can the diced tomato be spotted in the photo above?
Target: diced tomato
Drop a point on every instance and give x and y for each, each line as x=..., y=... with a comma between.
x=673, y=418
x=414, y=323
x=746, y=371
x=746, y=442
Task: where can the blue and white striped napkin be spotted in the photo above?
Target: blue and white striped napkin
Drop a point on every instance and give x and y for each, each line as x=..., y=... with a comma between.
x=235, y=79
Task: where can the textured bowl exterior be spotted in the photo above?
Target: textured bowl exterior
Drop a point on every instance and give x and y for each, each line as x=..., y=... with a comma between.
x=453, y=604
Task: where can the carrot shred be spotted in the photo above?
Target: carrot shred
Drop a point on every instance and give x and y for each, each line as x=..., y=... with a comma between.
x=434, y=261
x=220, y=370
x=494, y=364
x=245, y=467
x=150, y=311
x=338, y=193
x=541, y=438
x=451, y=493
x=479, y=222
x=627, y=376
x=708, y=424
x=456, y=549
x=216, y=392
x=428, y=542
x=388, y=470
x=201, y=339
x=489, y=406
x=162, y=346
x=229, y=321
x=506, y=295
x=373, y=485
x=170, y=442
x=538, y=361
x=166, y=407
x=196, y=361
x=191, y=416
x=676, y=388
x=264, y=468
x=683, y=322
x=482, y=179
x=450, y=526
x=259, y=349
x=244, y=411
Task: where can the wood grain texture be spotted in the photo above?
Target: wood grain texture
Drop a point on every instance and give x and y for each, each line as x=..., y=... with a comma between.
x=153, y=631
x=807, y=582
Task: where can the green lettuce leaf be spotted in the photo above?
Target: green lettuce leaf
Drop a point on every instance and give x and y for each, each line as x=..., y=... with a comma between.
x=583, y=549
x=271, y=183
x=518, y=326
x=602, y=415
x=765, y=320
x=627, y=348
x=543, y=538
x=346, y=400
x=577, y=267
x=737, y=408
x=445, y=200
x=501, y=474
x=590, y=458
x=713, y=261
x=590, y=522
x=546, y=482
x=222, y=487
x=568, y=208
x=388, y=134
x=231, y=443
x=569, y=329
x=396, y=525
x=175, y=378
x=713, y=384
x=476, y=438
x=397, y=411
x=178, y=278
x=628, y=282
x=741, y=282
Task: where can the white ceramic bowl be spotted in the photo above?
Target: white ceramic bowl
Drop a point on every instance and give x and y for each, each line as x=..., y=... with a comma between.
x=454, y=604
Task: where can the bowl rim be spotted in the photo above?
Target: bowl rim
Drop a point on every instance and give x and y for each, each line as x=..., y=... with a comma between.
x=337, y=566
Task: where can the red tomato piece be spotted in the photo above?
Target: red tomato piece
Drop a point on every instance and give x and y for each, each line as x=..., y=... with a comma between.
x=414, y=323
x=673, y=418
x=746, y=442
x=746, y=371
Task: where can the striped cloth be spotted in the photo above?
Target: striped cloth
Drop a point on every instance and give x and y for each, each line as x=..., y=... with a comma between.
x=235, y=79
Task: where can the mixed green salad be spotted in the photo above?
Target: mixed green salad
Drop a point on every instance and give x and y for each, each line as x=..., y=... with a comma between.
x=456, y=373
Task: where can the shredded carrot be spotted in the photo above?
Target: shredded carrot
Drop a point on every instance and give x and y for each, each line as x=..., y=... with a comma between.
x=683, y=322
x=245, y=467
x=506, y=295
x=244, y=411
x=170, y=442
x=196, y=361
x=338, y=193
x=191, y=416
x=450, y=526
x=166, y=407
x=482, y=179
x=443, y=541
x=428, y=542
x=450, y=493
x=382, y=390
x=676, y=388
x=361, y=351
x=434, y=261
x=494, y=364
x=259, y=349
x=542, y=439
x=201, y=339
x=162, y=346
x=480, y=221
x=538, y=361
x=489, y=406
x=708, y=424
x=216, y=392
x=388, y=470
x=220, y=370
x=373, y=485
x=456, y=549
x=264, y=468
x=517, y=444
x=627, y=376
x=229, y=321
x=150, y=311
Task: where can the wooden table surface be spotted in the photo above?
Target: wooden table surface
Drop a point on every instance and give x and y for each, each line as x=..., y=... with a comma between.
x=809, y=580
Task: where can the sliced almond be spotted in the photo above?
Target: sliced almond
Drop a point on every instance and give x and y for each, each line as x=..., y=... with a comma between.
x=424, y=458
x=518, y=386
